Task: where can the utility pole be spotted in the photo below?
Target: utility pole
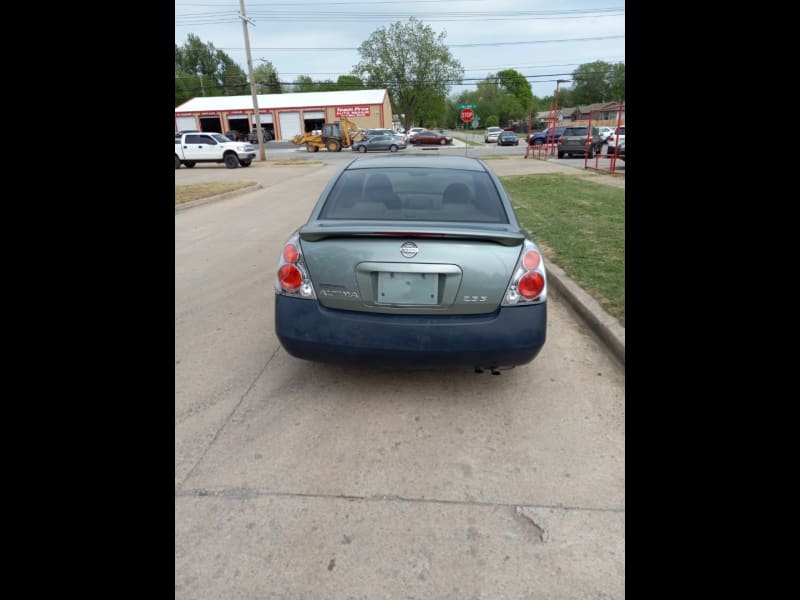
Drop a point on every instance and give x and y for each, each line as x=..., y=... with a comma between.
x=245, y=21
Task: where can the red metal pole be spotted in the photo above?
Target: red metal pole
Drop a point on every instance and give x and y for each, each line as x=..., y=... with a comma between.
x=555, y=118
x=528, y=138
x=616, y=141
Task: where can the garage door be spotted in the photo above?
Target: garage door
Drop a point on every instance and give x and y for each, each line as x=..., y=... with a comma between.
x=238, y=123
x=266, y=119
x=186, y=123
x=314, y=114
x=290, y=124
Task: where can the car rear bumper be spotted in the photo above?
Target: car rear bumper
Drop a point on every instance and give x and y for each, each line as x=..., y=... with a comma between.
x=511, y=336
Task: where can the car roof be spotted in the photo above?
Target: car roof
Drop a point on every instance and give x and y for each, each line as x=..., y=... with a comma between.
x=465, y=163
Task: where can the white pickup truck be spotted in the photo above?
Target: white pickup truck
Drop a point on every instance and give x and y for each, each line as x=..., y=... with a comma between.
x=196, y=147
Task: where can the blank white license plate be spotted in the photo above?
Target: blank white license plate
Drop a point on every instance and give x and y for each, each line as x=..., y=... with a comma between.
x=408, y=288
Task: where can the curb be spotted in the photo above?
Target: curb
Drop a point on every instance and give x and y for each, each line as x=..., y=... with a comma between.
x=199, y=201
x=604, y=325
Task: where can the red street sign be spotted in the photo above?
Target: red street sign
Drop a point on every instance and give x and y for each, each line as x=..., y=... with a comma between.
x=467, y=114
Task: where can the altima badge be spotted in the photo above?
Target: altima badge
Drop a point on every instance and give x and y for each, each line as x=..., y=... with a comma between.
x=409, y=250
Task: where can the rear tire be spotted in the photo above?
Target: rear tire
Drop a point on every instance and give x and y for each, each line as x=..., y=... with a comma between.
x=362, y=149
x=177, y=162
x=538, y=142
x=231, y=161
x=442, y=142
x=393, y=148
x=189, y=164
x=333, y=146
x=591, y=151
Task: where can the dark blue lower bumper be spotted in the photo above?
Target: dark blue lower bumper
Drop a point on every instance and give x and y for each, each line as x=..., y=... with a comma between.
x=510, y=336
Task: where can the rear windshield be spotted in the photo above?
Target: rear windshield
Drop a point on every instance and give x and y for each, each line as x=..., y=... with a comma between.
x=414, y=194
x=575, y=131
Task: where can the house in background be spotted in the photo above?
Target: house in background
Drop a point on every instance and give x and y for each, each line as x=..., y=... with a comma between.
x=542, y=117
x=599, y=111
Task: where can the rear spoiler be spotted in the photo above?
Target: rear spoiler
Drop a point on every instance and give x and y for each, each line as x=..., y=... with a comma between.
x=499, y=233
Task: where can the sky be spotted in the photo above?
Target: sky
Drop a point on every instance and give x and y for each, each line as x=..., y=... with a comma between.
x=543, y=40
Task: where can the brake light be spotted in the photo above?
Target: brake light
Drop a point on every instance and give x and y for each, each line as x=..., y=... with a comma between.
x=290, y=253
x=292, y=278
x=531, y=260
x=528, y=285
x=531, y=285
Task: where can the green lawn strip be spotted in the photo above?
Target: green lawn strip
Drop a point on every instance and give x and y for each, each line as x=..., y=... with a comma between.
x=196, y=191
x=580, y=226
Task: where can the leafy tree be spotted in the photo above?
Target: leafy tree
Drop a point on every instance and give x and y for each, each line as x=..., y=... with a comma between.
x=617, y=82
x=304, y=83
x=196, y=57
x=183, y=91
x=202, y=70
x=494, y=99
x=593, y=83
x=432, y=111
x=266, y=78
x=349, y=82
x=413, y=64
x=515, y=84
x=491, y=121
x=231, y=76
x=327, y=86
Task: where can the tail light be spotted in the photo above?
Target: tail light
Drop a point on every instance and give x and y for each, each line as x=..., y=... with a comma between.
x=529, y=283
x=292, y=278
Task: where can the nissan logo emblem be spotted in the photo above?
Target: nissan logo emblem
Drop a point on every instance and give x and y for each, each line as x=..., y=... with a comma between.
x=409, y=250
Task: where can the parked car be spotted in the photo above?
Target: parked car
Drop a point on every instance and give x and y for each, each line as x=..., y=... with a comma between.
x=408, y=262
x=492, y=134
x=372, y=132
x=620, y=151
x=575, y=141
x=551, y=135
x=384, y=141
x=266, y=134
x=430, y=137
x=236, y=136
x=604, y=132
x=508, y=138
x=413, y=131
x=615, y=138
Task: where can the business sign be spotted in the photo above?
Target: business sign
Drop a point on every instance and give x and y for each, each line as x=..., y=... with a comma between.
x=352, y=111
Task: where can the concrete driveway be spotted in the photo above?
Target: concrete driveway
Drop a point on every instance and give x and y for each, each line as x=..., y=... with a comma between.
x=297, y=480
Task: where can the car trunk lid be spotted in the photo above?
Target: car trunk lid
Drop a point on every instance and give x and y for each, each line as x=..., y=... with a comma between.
x=432, y=270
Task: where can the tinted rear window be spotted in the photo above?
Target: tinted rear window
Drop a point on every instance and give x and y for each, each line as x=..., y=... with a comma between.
x=415, y=194
x=575, y=131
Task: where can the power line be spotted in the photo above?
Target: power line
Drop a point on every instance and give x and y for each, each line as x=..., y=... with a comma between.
x=475, y=45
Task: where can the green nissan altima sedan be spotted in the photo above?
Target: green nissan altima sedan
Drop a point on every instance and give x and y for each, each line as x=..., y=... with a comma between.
x=412, y=262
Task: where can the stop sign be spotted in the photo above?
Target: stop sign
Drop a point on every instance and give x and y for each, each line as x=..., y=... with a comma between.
x=467, y=114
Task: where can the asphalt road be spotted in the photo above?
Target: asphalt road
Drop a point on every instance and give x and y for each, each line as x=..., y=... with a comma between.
x=282, y=149
x=296, y=480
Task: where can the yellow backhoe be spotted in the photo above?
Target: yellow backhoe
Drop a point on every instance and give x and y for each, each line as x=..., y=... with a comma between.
x=334, y=136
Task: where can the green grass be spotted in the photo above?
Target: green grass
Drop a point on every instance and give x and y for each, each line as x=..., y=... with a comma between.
x=580, y=226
